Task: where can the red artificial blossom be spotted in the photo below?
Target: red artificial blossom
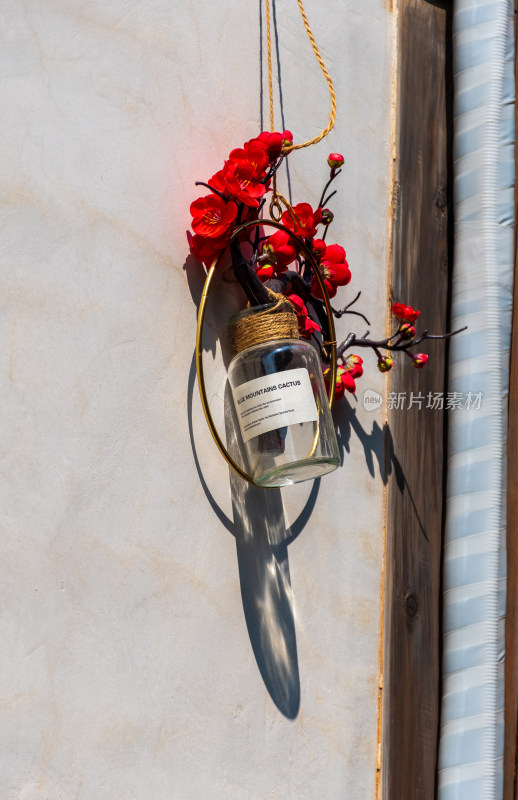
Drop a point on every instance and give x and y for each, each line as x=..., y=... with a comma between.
x=335, y=271
x=244, y=171
x=404, y=313
x=212, y=216
x=278, y=251
x=346, y=375
x=302, y=220
x=206, y=249
x=307, y=326
x=237, y=192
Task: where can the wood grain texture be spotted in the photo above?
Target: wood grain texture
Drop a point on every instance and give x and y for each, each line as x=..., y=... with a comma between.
x=416, y=437
x=511, y=620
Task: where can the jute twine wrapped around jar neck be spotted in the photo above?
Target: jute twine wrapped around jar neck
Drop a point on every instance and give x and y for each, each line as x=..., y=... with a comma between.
x=278, y=321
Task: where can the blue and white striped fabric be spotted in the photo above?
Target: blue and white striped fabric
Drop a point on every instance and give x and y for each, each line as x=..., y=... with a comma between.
x=471, y=746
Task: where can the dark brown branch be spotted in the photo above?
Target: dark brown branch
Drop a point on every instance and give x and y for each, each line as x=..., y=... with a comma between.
x=246, y=275
x=398, y=347
x=328, y=198
x=326, y=187
x=271, y=172
x=358, y=314
x=208, y=186
x=345, y=310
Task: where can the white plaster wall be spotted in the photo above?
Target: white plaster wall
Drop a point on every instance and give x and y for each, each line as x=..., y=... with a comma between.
x=165, y=632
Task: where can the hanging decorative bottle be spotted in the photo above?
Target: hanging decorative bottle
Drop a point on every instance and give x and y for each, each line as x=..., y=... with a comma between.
x=286, y=428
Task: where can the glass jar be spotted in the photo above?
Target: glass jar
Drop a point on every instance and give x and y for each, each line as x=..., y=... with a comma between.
x=287, y=431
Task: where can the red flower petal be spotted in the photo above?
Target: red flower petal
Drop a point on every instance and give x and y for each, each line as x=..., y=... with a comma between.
x=404, y=313
x=334, y=253
x=273, y=143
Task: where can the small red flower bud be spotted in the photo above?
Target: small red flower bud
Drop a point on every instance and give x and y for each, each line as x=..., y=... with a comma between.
x=318, y=247
x=287, y=138
x=408, y=331
x=419, y=360
x=335, y=160
x=327, y=217
x=385, y=363
x=265, y=272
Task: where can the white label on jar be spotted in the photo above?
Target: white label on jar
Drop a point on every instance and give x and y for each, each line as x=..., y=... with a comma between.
x=273, y=401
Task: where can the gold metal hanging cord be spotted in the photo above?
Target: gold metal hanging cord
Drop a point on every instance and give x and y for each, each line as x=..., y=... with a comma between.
x=330, y=345
x=277, y=198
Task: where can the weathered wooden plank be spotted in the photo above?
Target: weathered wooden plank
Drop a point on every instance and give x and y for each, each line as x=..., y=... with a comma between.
x=416, y=436
x=511, y=621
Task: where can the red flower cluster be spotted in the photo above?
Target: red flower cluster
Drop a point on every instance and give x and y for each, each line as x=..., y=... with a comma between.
x=236, y=192
x=279, y=251
x=243, y=179
x=243, y=175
